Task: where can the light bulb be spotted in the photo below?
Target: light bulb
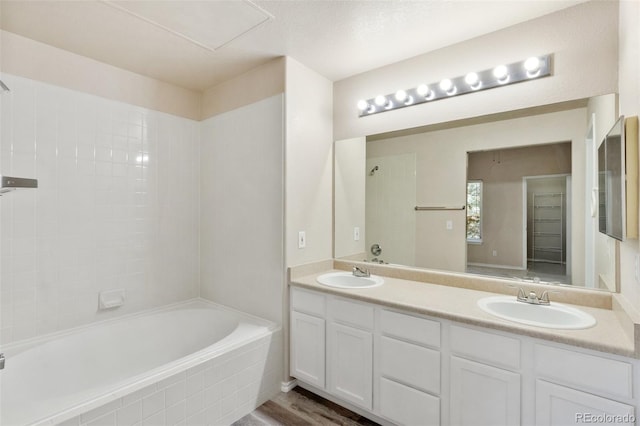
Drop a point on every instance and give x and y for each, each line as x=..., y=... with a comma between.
x=423, y=90
x=532, y=64
x=501, y=73
x=473, y=80
x=446, y=85
x=380, y=100
x=401, y=95
x=363, y=105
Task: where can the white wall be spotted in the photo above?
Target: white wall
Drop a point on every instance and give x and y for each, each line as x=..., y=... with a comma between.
x=241, y=214
x=583, y=40
x=349, y=196
x=605, y=109
x=629, y=70
x=116, y=207
x=309, y=164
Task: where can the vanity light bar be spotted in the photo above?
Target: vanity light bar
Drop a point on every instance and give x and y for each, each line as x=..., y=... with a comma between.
x=502, y=75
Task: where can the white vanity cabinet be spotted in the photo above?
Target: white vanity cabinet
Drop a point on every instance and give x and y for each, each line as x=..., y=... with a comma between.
x=350, y=352
x=573, y=387
x=308, y=337
x=408, y=369
x=484, y=378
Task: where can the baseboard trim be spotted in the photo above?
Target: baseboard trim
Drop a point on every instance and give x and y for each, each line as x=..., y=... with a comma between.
x=491, y=265
x=287, y=386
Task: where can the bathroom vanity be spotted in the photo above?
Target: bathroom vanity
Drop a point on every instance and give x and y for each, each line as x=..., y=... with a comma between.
x=416, y=353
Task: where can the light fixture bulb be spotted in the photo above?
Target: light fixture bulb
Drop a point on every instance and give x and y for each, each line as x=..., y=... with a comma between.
x=532, y=64
x=401, y=95
x=533, y=67
x=500, y=72
x=446, y=85
x=380, y=100
x=472, y=78
x=363, y=105
x=423, y=90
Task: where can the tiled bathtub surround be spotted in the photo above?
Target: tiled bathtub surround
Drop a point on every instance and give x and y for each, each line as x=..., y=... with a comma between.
x=216, y=392
x=116, y=207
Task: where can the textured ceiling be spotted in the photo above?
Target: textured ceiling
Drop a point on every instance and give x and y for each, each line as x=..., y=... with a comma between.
x=198, y=44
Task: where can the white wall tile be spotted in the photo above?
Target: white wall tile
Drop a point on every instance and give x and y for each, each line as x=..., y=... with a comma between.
x=176, y=413
x=95, y=206
x=152, y=404
x=129, y=415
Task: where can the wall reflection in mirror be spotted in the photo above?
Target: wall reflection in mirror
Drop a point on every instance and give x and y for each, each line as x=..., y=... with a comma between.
x=506, y=196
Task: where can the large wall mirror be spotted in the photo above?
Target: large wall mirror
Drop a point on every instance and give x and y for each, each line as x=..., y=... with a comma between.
x=508, y=195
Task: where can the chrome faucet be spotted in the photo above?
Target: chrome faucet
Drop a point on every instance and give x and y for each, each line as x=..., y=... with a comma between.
x=1, y=361
x=360, y=272
x=532, y=298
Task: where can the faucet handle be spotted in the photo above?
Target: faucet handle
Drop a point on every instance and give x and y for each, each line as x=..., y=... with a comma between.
x=544, y=298
x=360, y=272
x=521, y=296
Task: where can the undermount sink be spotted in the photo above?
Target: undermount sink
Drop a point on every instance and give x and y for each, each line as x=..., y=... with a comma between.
x=348, y=280
x=555, y=315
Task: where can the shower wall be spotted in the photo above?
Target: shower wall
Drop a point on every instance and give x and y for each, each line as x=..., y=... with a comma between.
x=117, y=207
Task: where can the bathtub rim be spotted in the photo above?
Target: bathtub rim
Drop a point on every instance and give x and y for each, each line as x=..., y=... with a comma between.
x=18, y=346
x=153, y=375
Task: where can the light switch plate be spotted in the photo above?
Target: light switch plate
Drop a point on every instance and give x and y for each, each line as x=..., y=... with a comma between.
x=302, y=239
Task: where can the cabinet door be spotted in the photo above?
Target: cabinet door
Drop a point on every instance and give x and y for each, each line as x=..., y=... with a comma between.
x=560, y=405
x=351, y=364
x=408, y=406
x=307, y=348
x=483, y=395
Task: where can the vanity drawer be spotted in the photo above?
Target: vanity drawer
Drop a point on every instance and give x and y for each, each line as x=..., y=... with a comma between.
x=492, y=349
x=410, y=364
x=407, y=327
x=407, y=406
x=587, y=372
x=351, y=313
x=307, y=302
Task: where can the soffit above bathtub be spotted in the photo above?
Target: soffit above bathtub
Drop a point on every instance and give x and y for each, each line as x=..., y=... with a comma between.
x=199, y=44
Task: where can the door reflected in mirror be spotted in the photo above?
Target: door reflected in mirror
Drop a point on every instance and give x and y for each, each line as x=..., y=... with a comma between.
x=517, y=212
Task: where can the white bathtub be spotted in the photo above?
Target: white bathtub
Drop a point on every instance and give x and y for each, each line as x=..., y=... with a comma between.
x=163, y=366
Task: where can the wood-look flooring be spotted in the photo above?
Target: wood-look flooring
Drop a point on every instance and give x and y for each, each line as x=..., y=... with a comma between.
x=300, y=407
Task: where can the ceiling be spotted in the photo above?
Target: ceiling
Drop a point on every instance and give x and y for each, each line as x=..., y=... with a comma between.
x=198, y=44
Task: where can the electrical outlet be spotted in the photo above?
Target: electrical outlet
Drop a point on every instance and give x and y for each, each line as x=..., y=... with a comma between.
x=356, y=234
x=302, y=239
x=449, y=225
x=495, y=253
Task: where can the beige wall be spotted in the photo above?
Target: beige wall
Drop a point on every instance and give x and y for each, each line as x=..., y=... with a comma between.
x=31, y=59
x=629, y=70
x=309, y=165
x=260, y=83
x=583, y=40
x=441, y=177
x=501, y=173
